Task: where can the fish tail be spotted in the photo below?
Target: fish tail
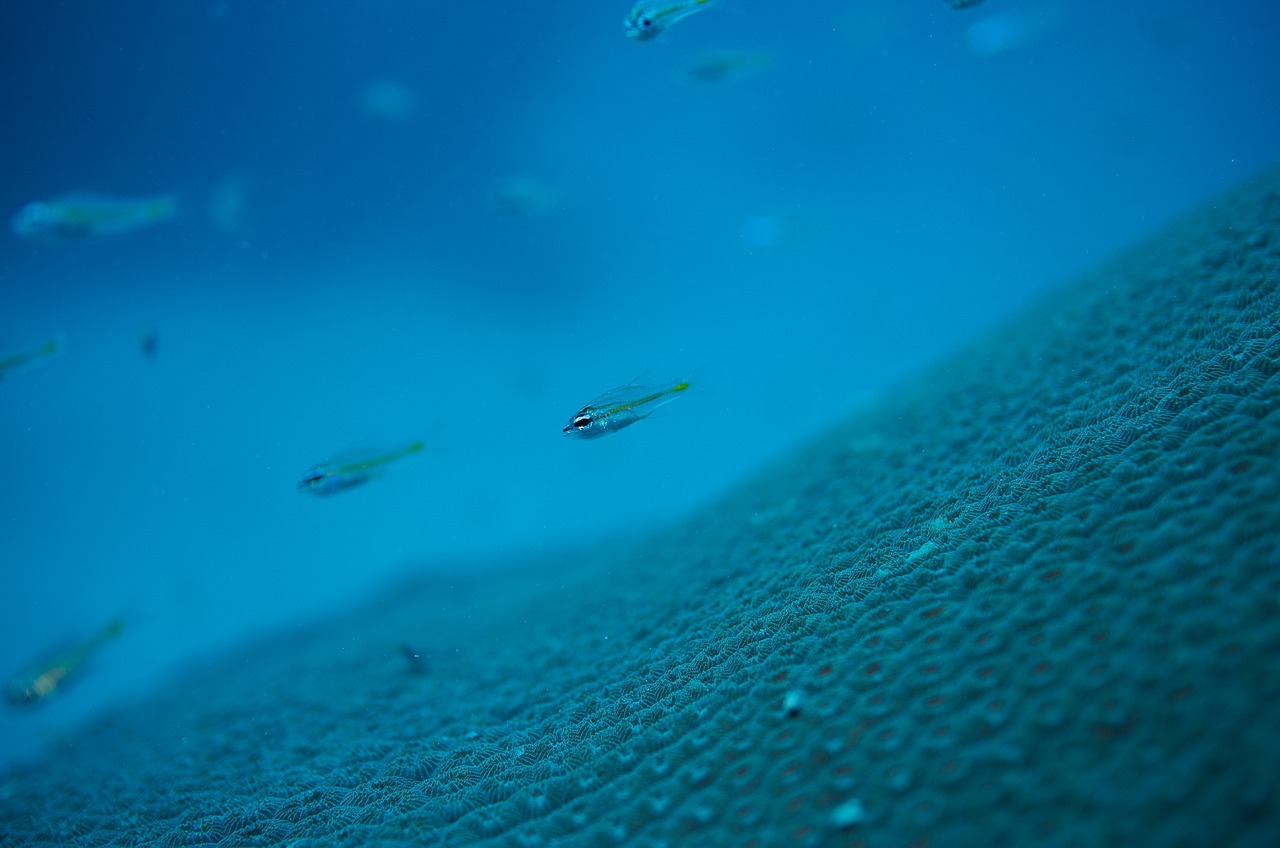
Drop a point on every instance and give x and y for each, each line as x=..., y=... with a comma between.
x=54, y=346
x=162, y=208
x=113, y=629
x=407, y=450
x=695, y=383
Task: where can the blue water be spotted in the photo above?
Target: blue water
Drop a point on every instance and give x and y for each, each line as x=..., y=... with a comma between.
x=898, y=179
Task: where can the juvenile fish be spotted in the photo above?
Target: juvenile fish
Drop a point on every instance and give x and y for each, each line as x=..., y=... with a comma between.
x=416, y=660
x=352, y=470
x=85, y=217
x=32, y=685
x=646, y=21
x=621, y=407
x=25, y=360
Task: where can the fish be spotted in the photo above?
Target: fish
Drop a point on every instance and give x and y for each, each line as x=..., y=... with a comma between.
x=351, y=470
x=35, y=357
x=647, y=21
x=415, y=659
x=148, y=341
x=389, y=99
x=229, y=206
x=33, y=685
x=525, y=197
x=87, y=217
x=621, y=407
x=715, y=66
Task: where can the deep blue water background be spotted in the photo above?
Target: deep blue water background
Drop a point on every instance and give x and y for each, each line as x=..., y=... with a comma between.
x=924, y=189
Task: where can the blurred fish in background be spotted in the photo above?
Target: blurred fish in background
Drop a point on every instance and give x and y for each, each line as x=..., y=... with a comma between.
x=148, y=338
x=414, y=658
x=1014, y=28
x=768, y=230
x=228, y=206
x=721, y=65
x=34, y=684
x=525, y=197
x=23, y=361
x=388, y=100
x=80, y=217
x=353, y=469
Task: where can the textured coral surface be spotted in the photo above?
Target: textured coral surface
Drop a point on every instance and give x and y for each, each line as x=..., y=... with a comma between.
x=1032, y=598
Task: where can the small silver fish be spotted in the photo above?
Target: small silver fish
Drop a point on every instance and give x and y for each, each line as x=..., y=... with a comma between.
x=620, y=407
x=646, y=21
x=352, y=470
x=84, y=217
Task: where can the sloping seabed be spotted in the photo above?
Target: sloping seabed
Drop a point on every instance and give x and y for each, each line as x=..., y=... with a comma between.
x=1032, y=598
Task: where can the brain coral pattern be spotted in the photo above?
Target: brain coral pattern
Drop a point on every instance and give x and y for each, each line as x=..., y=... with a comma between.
x=1031, y=598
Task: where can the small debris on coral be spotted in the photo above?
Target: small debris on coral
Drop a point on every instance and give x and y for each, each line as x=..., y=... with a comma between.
x=848, y=814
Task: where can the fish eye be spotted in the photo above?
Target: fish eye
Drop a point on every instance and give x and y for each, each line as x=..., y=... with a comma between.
x=582, y=422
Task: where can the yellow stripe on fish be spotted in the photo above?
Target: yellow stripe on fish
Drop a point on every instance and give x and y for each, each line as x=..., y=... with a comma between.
x=26, y=360
x=345, y=472
x=33, y=685
x=620, y=407
x=85, y=217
